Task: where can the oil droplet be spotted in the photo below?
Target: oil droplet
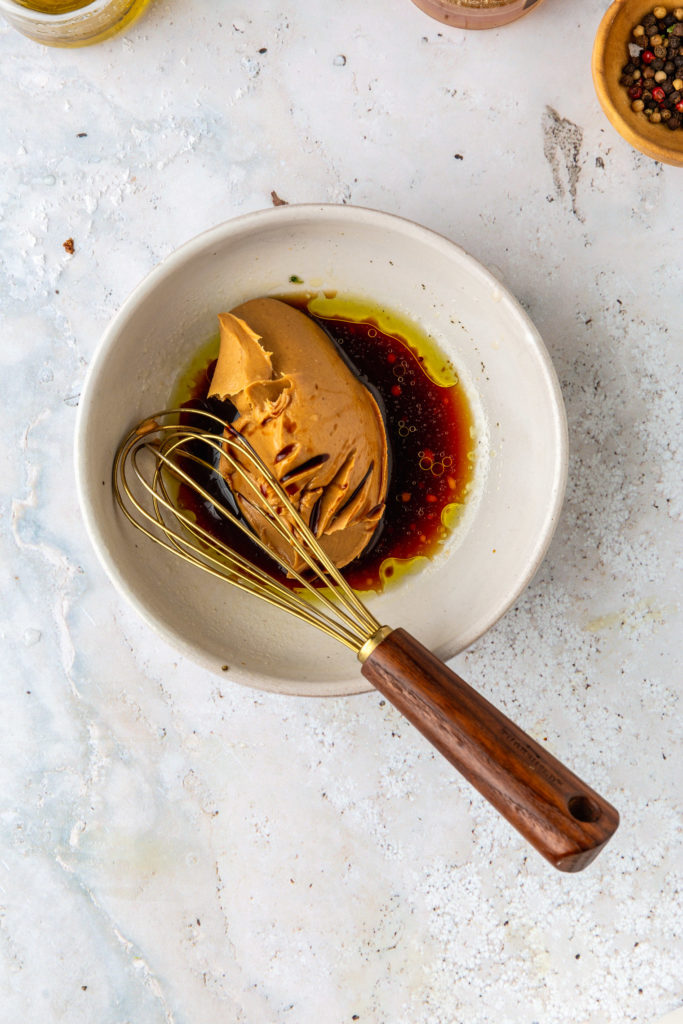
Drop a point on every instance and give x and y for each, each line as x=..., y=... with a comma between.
x=451, y=515
x=396, y=569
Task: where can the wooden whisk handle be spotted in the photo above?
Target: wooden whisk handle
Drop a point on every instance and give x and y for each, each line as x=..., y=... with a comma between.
x=562, y=817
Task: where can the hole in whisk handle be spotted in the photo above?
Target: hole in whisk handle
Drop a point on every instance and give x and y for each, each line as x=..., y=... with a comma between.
x=583, y=808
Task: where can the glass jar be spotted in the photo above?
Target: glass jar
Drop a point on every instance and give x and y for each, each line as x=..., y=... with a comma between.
x=476, y=13
x=70, y=22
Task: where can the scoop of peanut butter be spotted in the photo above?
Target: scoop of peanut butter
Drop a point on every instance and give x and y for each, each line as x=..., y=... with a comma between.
x=314, y=424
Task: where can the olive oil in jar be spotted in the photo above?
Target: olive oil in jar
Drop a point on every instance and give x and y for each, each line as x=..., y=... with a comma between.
x=71, y=22
x=53, y=6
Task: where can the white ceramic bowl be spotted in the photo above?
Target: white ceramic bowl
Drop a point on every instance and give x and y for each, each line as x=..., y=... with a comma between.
x=521, y=434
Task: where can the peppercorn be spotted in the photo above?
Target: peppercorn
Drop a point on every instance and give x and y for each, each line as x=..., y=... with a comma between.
x=674, y=122
x=659, y=12
x=637, y=105
x=660, y=76
x=679, y=106
x=658, y=94
x=647, y=56
x=655, y=117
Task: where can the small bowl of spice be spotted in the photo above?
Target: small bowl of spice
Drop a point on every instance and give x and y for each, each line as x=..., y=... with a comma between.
x=638, y=75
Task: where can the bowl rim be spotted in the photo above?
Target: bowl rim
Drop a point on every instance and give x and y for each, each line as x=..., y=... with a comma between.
x=626, y=127
x=198, y=243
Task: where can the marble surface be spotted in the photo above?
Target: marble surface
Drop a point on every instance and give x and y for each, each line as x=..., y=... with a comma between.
x=177, y=849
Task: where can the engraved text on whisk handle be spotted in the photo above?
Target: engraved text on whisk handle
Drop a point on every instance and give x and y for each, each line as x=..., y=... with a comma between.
x=562, y=817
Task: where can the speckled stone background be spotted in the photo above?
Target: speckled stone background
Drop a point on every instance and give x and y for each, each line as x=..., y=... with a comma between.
x=177, y=849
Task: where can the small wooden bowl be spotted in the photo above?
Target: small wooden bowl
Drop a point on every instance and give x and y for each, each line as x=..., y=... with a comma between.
x=610, y=53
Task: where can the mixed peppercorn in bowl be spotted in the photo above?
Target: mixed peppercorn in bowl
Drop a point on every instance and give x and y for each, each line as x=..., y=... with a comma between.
x=638, y=75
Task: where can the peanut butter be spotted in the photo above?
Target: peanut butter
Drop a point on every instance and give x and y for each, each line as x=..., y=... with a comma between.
x=314, y=424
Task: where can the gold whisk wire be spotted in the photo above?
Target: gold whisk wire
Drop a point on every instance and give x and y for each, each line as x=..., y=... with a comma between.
x=155, y=459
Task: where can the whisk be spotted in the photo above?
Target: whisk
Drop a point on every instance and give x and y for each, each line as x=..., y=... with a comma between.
x=562, y=817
